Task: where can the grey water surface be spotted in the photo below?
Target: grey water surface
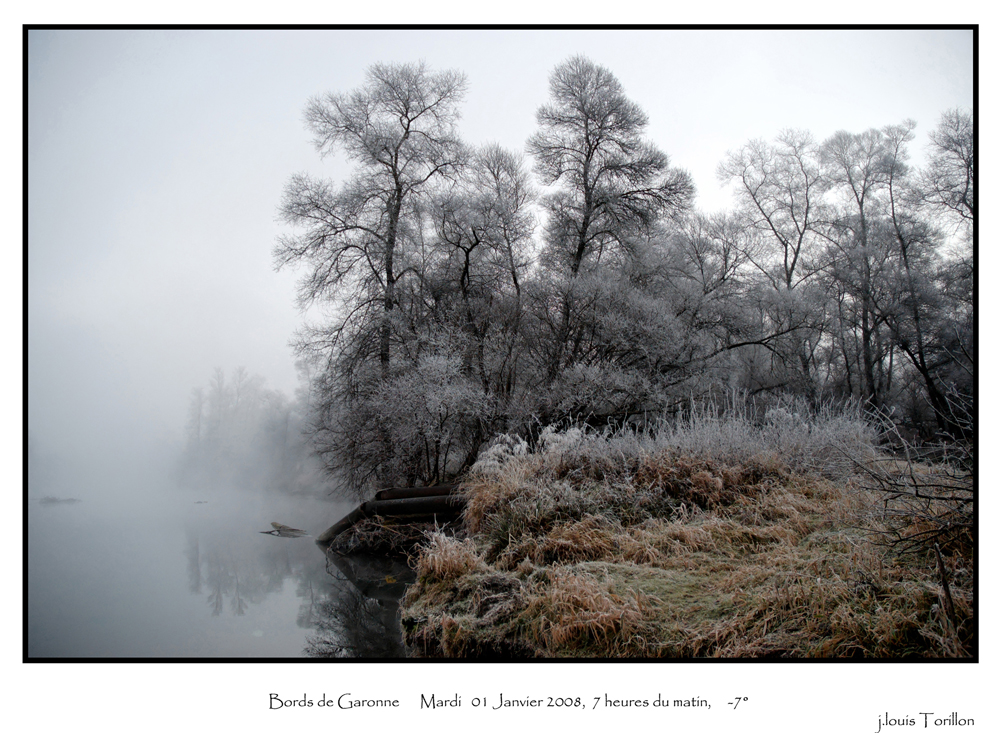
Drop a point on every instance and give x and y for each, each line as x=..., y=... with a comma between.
x=150, y=571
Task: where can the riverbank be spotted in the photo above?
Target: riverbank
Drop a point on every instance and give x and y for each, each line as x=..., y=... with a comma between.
x=714, y=539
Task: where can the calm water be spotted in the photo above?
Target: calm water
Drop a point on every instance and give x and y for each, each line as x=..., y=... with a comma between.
x=144, y=571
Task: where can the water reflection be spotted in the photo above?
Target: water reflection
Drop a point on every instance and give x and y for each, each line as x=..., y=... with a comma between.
x=361, y=618
x=236, y=571
x=145, y=574
x=350, y=603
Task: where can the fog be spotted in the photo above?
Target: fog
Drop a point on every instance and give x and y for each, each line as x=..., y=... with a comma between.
x=163, y=394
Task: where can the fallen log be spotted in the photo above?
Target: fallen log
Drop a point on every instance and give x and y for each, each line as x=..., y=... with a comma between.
x=441, y=504
x=446, y=504
x=415, y=491
x=343, y=525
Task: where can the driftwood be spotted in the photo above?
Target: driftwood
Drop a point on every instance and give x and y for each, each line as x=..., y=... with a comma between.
x=420, y=501
x=283, y=530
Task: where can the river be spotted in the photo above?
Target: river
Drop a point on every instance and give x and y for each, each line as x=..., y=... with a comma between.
x=138, y=570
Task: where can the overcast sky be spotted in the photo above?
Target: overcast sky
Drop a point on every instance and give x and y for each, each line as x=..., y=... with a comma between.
x=157, y=159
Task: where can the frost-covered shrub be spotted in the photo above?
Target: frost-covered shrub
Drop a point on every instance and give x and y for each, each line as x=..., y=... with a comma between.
x=420, y=425
x=553, y=441
x=503, y=449
x=781, y=419
x=827, y=441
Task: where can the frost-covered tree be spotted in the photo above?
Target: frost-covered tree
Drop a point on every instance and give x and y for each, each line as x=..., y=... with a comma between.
x=888, y=264
x=612, y=187
x=859, y=167
x=399, y=131
x=360, y=241
x=949, y=182
x=780, y=188
x=455, y=384
x=449, y=321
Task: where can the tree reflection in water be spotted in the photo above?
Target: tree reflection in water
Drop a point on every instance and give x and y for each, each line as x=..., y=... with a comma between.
x=244, y=572
x=360, y=618
x=352, y=602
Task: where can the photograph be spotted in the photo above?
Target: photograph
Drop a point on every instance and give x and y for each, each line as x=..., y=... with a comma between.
x=647, y=352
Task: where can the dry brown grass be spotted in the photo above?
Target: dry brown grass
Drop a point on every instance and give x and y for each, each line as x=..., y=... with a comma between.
x=447, y=558
x=574, y=610
x=663, y=555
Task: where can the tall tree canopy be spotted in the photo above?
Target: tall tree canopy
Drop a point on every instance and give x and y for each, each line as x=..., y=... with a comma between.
x=399, y=129
x=841, y=273
x=614, y=186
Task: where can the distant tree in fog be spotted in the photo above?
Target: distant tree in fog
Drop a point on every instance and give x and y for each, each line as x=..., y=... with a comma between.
x=243, y=435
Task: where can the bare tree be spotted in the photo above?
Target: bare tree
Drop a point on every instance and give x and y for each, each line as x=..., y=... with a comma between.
x=949, y=182
x=614, y=186
x=859, y=167
x=780, y=188
x=399, y=129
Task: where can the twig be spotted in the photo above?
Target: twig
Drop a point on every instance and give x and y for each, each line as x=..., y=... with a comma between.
x=949, y=606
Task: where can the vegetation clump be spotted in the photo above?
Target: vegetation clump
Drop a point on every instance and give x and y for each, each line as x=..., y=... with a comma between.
x=624, y=546
x=378, y=535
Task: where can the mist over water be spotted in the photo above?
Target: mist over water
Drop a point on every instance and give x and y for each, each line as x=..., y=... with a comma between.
x=137, y=567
